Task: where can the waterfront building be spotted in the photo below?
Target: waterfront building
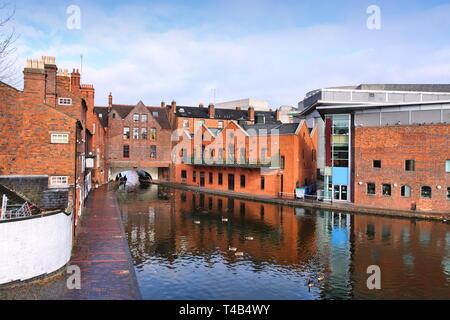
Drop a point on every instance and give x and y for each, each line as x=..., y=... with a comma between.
x=138, y=138
x=256, y=158
x=50, y=137
x=384, y=146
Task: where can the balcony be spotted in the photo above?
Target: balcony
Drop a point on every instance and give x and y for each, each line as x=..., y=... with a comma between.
x=233, y=163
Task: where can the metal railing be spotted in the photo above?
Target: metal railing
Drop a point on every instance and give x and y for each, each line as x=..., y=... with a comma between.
x=8, y=212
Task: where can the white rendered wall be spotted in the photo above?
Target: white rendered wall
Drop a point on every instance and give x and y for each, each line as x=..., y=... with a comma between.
x=34, y=247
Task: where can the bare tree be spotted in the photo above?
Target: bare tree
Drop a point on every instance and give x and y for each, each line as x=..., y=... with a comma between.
x=8, y=37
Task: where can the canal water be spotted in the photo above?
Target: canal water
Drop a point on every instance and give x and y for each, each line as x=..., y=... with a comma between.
x=180, y=244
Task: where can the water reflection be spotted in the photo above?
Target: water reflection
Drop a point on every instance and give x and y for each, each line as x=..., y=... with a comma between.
x=180, y=245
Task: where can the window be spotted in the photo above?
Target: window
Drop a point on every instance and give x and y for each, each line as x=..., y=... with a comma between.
x=242, y=155
x=371, y=188
x=410, y=165
x=126, y=151
x=93, y=128
x=153, y=152
x=448, y=193
x=447, y=166
x=136, y=133
x=210, y=178
x=263, y=154
x=242, y=181
x=144, y=118
x=65, y=101
x=183, y=174
x=144, y=134
x=126, y=133
x=155, y=114
x=194, y=176
x=136, y=117
x=114, y=115
x=387, y=190
x=60, y=138
x=282, y=162
x=377, y=163
x=220, y=125
x=59, y=181
x=153, y=134
x=185, y=123
x=263, y=182
x=220, y=180
x=405, y=191
x=426, y=192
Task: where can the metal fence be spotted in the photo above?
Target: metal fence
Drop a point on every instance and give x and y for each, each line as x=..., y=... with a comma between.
x=9, y=212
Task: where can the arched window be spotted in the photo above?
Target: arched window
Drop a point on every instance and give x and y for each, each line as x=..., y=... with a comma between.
x=426, y=192
x=406, y=191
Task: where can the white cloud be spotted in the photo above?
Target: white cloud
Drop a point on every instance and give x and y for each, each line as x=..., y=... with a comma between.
x=134, y=61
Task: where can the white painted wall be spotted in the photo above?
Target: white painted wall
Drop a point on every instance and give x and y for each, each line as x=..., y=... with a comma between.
x=34, y=247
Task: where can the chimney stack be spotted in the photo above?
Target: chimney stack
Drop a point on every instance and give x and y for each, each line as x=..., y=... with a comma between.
x=238, y=108
x=163, y=104
x=34, y=80
x=200, y=105
x=63, y=79
x=110, y=100
x=174, y=106
x=251, y=114
x=50, y=79
x=277, y=115
x=211, y=110
x=75, y=79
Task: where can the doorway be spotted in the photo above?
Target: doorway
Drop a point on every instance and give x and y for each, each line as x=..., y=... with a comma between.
x=340, y=192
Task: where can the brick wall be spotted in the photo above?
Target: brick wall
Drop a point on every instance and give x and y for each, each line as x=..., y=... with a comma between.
x=140, y=148
x=428, y=145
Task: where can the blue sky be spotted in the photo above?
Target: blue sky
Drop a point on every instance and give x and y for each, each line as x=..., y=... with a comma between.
x=272, y=50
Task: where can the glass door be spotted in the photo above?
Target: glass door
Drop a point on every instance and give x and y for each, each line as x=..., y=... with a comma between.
x=340, y=192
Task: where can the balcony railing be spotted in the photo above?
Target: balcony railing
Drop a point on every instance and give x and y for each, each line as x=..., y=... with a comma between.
x=233, y=163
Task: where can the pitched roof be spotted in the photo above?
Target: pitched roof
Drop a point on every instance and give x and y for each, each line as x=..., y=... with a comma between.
x=102, y=113
x=223, y=114
x=123, y=110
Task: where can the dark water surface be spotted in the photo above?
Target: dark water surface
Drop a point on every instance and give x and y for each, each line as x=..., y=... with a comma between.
x=180, y=247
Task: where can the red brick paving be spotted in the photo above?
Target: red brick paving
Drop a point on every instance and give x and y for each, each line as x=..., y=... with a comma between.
x=102, y=253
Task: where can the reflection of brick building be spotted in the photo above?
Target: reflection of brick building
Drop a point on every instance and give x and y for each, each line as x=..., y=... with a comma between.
x=166, y=227
x=48, y=130
x=138, y=138
x=407, y=252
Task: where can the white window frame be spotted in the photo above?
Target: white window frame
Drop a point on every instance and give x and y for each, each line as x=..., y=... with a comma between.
x=65, y=101
x=59, y=182
x=59, y=137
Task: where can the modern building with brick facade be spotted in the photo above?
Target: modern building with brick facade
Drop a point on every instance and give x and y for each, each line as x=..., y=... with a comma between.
x=49, y=130
x=138, y=138
x=384, y=146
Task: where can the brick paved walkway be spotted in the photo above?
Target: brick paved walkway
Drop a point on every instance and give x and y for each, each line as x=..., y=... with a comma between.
x=102, y=252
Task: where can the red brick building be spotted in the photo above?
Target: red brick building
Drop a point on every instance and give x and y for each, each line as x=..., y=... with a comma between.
x=48, y=131
x=243, y=151
x=138, y=139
